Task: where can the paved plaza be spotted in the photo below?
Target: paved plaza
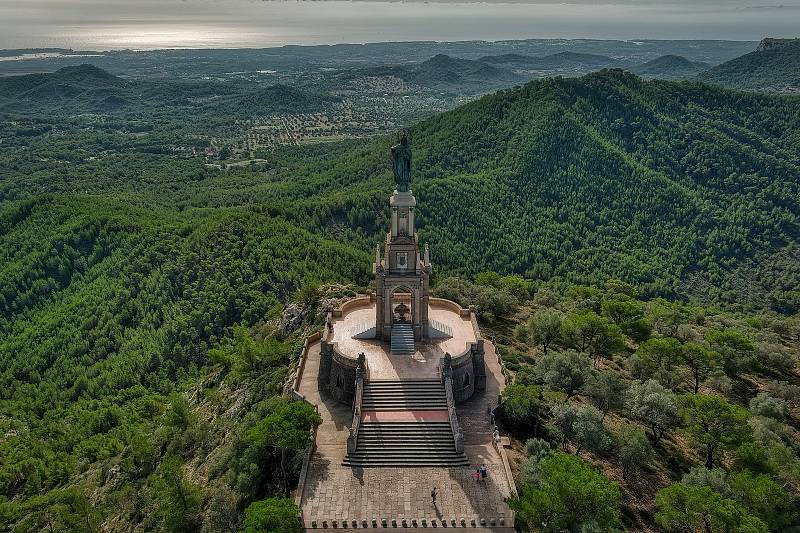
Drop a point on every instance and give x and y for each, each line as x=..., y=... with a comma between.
x=336, y=492
x=422, y=364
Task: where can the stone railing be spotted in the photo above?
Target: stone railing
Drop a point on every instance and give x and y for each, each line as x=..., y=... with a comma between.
x=447, y=379
x=352, y=303
x=500, y=444
x=361, y=375
x=301, y=484
x=301, y=364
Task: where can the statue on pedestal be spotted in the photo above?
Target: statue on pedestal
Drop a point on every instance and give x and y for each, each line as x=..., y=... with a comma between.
x=401, y=163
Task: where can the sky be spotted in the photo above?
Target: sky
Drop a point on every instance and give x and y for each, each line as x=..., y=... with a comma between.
x=145, y=24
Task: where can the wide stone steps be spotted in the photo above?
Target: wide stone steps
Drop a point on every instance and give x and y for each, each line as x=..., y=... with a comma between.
x=410, y=443
x=402, y=340
x=412, y=395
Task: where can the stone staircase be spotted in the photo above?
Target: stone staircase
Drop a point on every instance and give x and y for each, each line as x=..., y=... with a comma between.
x=407, y=444
x=402, y=342
x=407, y=395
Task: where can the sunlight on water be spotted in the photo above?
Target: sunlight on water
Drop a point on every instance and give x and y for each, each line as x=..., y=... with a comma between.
x=100, y=25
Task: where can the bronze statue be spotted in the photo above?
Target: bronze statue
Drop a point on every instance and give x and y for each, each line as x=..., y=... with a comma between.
x=401, y=163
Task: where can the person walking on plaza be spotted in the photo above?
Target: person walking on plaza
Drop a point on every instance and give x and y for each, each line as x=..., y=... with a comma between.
x=433, y=496
x=483, y=472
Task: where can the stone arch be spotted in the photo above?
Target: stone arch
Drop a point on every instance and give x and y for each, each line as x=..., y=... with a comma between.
x=402, y=304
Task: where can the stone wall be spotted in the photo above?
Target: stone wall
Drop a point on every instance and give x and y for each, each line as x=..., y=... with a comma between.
x=337, y=374
x=469, y=373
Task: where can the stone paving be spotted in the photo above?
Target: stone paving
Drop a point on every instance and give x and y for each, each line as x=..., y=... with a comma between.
x=335, y=492
x=381, y=364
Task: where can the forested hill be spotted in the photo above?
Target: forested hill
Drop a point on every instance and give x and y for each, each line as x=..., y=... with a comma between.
x=670, y=67
x=124, y=269
x=686, y=190
x=683, y=189
x=774, y=66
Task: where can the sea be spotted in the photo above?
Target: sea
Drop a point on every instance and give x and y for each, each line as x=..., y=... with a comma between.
x=152, y=24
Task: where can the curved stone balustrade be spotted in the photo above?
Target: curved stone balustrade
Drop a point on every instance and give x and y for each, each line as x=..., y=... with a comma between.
x=352, y=438
x=447, y=377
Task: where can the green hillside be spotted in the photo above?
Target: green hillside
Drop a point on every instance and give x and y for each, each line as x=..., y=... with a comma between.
x=670, y=67
x=685, y=190
x=126, y=268
x=774, y=67
x=564, y=61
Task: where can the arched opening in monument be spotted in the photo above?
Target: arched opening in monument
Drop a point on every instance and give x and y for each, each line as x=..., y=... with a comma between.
x=402, y=305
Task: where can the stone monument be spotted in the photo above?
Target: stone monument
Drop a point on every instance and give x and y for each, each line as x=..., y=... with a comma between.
x=402, y=275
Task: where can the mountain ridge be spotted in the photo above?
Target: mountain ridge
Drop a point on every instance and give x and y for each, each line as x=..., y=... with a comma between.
x=774, y=66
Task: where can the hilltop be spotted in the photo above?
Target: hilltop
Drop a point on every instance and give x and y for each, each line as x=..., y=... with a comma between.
x=677, y=187
x=670, y=67
x=773, y=67
x=85, y=86
x=559, y=62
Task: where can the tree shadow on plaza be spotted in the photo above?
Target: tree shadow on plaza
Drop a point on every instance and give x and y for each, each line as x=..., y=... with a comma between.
x=340, y=414
x=320, y=468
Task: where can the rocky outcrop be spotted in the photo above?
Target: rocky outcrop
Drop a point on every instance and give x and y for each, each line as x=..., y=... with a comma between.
x=292, y=318
x=776, y=44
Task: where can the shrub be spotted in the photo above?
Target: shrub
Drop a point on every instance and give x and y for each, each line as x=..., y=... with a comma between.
x=765, y=405
x=275, y=515
x=521, y=406
x=752, y=456
x=774, y=357
x=714, y=478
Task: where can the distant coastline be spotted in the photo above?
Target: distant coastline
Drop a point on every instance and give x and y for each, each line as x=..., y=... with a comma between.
x=207, y=24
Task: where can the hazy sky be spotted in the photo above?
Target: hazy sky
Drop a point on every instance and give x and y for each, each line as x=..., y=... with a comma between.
x=113, y=24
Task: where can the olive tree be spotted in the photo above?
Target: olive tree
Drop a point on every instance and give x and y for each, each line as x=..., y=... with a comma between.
x=634, y=450
x=582, y=425
x=544, y=328
x=566, y=371
x=653, y=405
x=606, y=391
